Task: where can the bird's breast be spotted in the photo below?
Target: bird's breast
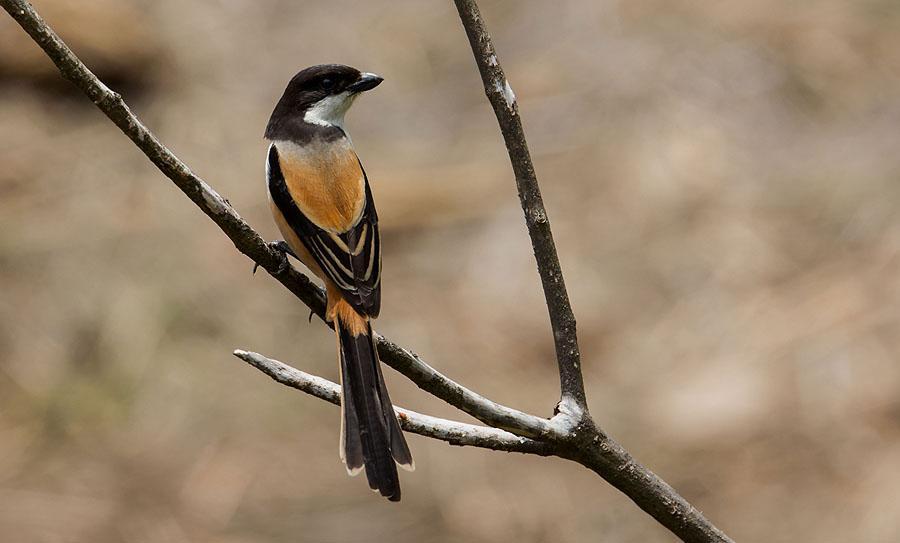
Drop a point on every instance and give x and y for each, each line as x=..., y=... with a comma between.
x=325, y=180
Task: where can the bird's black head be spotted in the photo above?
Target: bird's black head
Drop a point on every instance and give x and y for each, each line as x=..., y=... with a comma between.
x=319, y=95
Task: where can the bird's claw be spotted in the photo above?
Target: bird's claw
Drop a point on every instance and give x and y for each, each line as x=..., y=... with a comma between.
x=281, y=247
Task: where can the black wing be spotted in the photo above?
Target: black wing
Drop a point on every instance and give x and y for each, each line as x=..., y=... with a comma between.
x=352, y=259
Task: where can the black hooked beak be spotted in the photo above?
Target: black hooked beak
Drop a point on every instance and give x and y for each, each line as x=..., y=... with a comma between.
x=366, y=81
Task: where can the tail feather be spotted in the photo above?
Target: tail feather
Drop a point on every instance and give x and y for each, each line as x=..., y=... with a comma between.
x=399, y=448
x=351, y=445
x=370, y=434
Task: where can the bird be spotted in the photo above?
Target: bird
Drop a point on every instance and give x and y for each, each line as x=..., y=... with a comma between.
x=322, y=204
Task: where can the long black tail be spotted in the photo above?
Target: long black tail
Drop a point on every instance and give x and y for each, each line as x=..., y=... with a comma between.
x=370, y=433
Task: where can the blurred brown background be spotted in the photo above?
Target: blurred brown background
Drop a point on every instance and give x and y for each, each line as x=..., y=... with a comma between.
x=722, y=182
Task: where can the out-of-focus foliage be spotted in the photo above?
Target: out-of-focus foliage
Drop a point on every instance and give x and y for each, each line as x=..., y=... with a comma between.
x=722, y=182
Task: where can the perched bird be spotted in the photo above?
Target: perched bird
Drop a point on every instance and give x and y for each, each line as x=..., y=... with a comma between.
x=323, y=206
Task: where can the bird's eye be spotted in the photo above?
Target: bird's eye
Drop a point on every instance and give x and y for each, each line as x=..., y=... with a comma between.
x=327, y=84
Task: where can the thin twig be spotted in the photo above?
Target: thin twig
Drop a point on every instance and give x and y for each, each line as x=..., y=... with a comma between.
x=455, y=433
x=506, y=109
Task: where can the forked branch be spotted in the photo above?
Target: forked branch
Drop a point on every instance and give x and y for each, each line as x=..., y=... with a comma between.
x=571, y=434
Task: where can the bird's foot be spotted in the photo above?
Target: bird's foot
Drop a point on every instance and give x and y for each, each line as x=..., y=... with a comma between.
x=283, y=249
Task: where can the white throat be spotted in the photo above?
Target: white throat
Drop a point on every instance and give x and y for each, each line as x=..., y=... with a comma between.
x=330, y=111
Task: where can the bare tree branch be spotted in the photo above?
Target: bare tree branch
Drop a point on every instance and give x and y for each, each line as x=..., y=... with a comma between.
x=245, y=239
x=571, y=434
x=503, y=100
x=487, y=411
x=588, y=444
x=455, y=433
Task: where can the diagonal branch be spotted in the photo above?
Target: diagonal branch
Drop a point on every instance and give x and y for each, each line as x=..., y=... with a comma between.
x=245, y=239
x=503, y=100
x=455, y=433
x=587, y=445
x=487, y=411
